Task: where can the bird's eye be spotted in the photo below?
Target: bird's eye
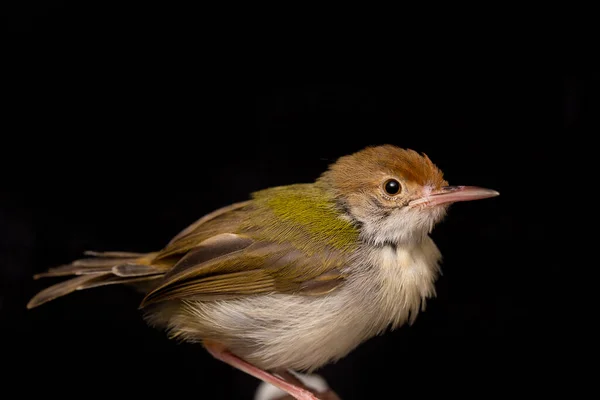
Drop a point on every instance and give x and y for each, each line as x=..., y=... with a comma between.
x=392, y=187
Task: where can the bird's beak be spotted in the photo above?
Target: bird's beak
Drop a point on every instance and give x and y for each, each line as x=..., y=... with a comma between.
x=452, y=194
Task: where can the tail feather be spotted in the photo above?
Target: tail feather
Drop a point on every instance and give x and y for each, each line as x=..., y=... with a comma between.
x=61, y=289
x=128, y=270
x=112, y=280
x=105, y=268
x=67, y=270
x=99, y=262
x=115, y=254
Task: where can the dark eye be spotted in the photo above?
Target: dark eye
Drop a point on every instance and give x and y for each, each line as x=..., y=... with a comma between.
x=392, y=187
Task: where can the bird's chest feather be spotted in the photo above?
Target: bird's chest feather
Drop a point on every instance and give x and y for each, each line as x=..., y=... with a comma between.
x=403, y=278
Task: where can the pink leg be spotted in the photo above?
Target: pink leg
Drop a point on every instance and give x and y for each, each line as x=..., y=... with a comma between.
x=220, y=353
x=289, y=377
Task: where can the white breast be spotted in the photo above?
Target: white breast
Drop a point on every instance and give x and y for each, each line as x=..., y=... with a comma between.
x=405, y=277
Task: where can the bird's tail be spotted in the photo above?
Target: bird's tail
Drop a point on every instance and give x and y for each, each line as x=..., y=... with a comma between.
x=99, y=269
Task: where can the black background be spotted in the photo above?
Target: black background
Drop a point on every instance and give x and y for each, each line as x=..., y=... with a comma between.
x=120, y=129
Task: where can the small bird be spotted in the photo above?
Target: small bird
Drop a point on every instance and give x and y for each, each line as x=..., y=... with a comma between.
x=297, y=276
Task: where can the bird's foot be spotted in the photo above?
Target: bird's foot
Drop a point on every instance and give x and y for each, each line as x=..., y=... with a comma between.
x=221, y=353
x=313, y=383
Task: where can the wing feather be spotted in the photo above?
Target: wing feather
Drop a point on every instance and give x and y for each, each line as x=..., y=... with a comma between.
x=250, y=267
x=285, y=240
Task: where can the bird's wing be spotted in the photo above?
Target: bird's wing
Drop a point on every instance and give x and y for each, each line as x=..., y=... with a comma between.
x=226, y=219
x=233, y=265
x=285, y=240
x=190, y=230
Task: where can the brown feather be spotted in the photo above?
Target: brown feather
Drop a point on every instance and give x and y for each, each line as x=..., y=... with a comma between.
x=129, y=270
x=284, y=240
x=114, y=254
x=207, y=257
x=61, y=289
x=210, y=250
x=104, y=263
x=353, y=173
x=224, y=220
x=116, y=280
x=67, y=270
x=259, y=267
x=193, y=227
x=237, y=283
x=103, y=269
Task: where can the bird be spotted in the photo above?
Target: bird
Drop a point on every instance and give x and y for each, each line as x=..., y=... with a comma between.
x=296, y=276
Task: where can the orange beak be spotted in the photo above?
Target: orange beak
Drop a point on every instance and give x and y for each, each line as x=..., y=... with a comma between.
x=453, y=194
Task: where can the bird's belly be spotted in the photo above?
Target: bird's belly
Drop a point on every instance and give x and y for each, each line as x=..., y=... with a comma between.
x=305, y=332
x=284, y=331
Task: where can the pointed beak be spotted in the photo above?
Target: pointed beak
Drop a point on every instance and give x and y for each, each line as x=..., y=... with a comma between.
x=453, y=194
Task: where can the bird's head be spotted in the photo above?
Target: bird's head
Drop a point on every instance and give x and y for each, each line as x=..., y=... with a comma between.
x=396, y=195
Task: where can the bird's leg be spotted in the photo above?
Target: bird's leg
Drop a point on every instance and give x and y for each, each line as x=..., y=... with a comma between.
x=221, y=353
x=291, y=378
x=328, y=394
